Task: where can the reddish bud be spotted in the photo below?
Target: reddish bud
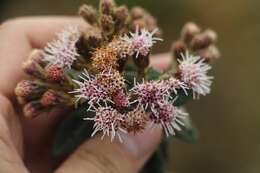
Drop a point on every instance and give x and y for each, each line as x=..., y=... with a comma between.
x=32, y=109
x=54, y=73
x=29, y=89
x=120, y=99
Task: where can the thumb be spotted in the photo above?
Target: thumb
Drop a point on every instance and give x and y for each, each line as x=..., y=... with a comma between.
x=104, y=156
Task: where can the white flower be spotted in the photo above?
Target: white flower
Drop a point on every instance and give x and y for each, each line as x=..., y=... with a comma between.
x=193, y=71
x=141, y=41
x=62, y=51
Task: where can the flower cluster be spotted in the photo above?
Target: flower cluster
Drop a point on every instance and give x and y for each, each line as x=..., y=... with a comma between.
x=106, y=70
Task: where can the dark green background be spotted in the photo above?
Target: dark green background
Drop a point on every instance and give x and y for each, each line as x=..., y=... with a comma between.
x=228, y=119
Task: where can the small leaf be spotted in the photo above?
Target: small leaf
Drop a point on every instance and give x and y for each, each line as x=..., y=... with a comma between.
x=73, y=74
x=182, y=97
x=72, y=132
x=188, y=132
x=152, y=74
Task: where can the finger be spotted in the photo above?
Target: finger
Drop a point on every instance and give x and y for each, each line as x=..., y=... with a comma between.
x=10, y=140
x=18, y=37
x=161, y=61
x=104, y=156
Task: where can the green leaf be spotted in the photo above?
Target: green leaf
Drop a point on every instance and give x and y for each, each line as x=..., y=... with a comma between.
x=182, y=97
x=157, y=163
x=188, y=132
x=130, y=74
x=152, y=74
x=72, y=132
x=73, y=74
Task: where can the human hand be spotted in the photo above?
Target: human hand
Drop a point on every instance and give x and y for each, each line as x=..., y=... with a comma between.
x=25, y=145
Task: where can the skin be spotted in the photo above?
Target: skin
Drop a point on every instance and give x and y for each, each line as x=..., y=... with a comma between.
x=25, y=145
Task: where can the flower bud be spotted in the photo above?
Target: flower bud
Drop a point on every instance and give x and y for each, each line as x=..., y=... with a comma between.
x=52, y=98
x=88, y=13
x=179, y=48
x=210, y=53
x=28, y=89
x=121, y=14
x=32, y=67
x=189, y=30
x=203, y=40
x=120, y=99
x=37, y=56
x=54, y=73
x=107, y=6
x=107, y=24
x=32, y=109
x=138, y=12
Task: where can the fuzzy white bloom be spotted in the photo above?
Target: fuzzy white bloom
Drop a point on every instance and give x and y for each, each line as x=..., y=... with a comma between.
x=193, y=71
x=62, y=51
x=141, y=41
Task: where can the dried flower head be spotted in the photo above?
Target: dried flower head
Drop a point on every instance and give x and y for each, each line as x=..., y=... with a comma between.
x=107, y=120
x=168, y=117
x=136, y=120
x=141, y=41
x=90, y=90
x=121, y=47
x=62, y=52
x=110, y=80
x=150, y=93
x=104, y=58
x=193, y=71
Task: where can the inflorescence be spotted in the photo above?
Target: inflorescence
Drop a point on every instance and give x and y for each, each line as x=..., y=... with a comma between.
x=106, y=69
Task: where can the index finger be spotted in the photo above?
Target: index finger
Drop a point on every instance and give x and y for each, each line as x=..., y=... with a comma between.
x=18, y=37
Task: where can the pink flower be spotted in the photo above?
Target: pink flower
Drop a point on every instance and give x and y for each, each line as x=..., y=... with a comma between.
x=168, y=117
x=193, y=71
x=90, y=90
x=174, y=84
x=150, y=93
x=107, y=120
x=141, y=41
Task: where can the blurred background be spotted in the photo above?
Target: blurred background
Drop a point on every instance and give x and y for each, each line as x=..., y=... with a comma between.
x=229, y=118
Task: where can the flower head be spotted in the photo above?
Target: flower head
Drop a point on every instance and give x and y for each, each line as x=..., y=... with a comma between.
x=90, y=90
x=193, y=71
x=110, y=80
x=121, y=47
x=63, y=52
x=104, y=58
x=141, y=41
x=107, y=120
x=136, y=120
x=150, y=93
x=174, y=84
x=168, y=117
